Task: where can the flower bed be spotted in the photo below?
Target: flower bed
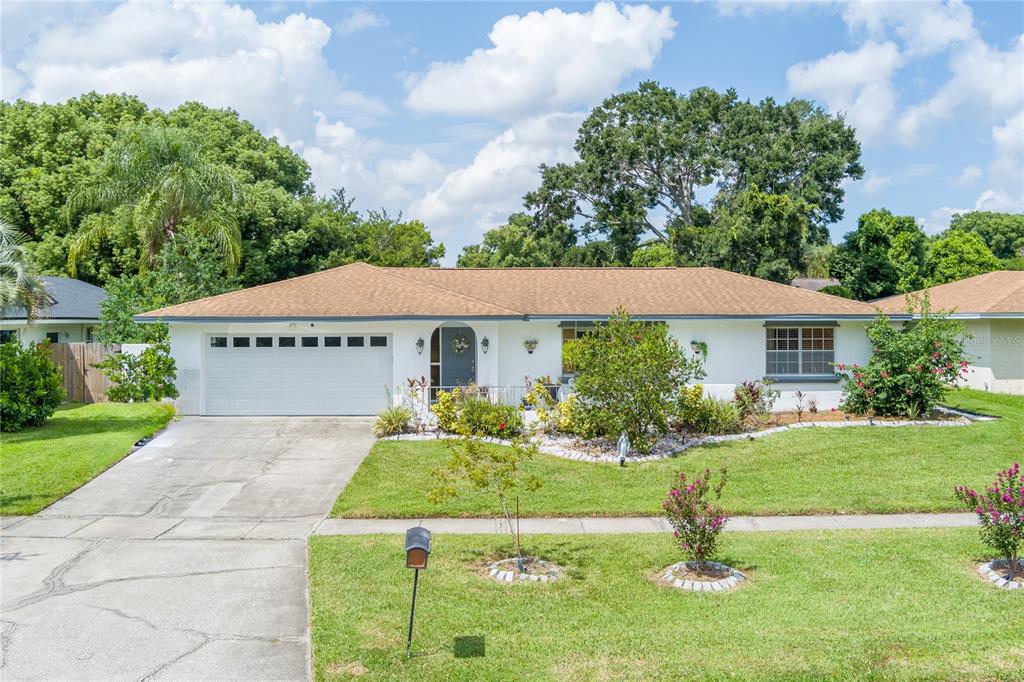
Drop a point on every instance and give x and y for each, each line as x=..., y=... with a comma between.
x=533, y=570
x=672, y=444
x=998, y=572
x=715, y=577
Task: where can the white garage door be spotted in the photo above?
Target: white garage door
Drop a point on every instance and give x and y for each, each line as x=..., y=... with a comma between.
x=297, y=374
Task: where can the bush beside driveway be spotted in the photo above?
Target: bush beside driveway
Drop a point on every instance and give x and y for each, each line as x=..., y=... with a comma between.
x=42, y=464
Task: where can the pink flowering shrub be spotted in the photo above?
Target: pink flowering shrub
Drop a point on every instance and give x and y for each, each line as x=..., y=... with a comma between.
x=1000, y=511
x=697, y=519
x=911, y=367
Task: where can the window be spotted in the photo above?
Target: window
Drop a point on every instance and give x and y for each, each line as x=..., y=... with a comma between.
x=332, y=342
x=218, y=342
x=264, y=341
x=378, y=342
x=239, y=341
x=799, y=350
x=310, y=341
x=53, y=337
x=286, y=342
x=356, y=342
x=88, y=334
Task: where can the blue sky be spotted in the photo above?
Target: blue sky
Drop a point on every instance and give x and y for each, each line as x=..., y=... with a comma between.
x=444, y=110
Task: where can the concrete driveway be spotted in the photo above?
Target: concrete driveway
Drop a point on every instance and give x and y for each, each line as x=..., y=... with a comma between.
x=186, y=560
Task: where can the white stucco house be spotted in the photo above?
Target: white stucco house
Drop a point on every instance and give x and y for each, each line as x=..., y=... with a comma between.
x=991, y=306
x=72, y=313
x=341, y=341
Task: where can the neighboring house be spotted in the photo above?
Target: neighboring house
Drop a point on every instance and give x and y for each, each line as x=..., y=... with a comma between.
x=814, y=283
x=992, y=308
x=340, y=341
x=71, y=315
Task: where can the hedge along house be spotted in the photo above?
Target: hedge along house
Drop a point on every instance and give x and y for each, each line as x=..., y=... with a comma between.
x=70, y=315
x=991, y=306
x=340, y=341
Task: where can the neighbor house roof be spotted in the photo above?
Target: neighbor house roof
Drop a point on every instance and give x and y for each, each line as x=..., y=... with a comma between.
x=814, y=283
x=998, y=293
x=366, y=291
x=70, y=299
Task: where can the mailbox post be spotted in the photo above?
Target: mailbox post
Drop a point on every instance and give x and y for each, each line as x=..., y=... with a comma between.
x=417, y=551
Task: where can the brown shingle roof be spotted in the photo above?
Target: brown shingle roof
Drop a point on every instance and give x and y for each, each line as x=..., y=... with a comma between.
x=999, y=292
x=361, y=290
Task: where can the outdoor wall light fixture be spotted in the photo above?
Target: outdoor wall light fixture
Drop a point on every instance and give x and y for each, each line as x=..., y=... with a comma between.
x=485, y=344
x=419, y=346
x=417, y=551
x=530, y=345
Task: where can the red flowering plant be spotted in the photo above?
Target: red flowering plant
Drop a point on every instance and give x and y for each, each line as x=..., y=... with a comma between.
x=912, y=365
x=696, y=518
x=1000, y=511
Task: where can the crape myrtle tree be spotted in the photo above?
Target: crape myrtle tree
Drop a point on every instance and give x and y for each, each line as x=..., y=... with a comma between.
x=645, y=154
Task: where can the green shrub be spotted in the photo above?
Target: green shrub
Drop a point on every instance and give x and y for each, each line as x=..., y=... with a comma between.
x=481, y=417
x=446, y=409
x=705, y=414
x=468, y=414
x=755, y=399
x=31, y=387
x=911, y=368
x=392, y=421
x=628, y=375
x=568, y=419
x=140, y=378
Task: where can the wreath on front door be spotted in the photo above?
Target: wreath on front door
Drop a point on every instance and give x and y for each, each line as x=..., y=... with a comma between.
x=460, y=344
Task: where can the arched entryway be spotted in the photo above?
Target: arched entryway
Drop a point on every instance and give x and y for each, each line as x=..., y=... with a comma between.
x=453, y=355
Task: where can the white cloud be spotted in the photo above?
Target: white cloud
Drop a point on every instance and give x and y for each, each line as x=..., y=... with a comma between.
x=983, y=79
x=858, y=84
x=372, y=173
x=969, y=175
x=482, y=194
x=923, y=27
x=1006, y=177
x=359, y=19
x=273, y=73
x=873, y=182
x=544, y=61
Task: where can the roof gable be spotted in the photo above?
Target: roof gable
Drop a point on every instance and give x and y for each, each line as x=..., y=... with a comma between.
x=360, y=290
x=992, y=293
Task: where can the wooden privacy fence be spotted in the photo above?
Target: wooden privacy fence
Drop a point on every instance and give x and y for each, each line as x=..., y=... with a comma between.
x=83, y=382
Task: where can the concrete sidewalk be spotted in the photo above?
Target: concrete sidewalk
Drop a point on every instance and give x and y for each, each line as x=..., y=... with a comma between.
x=646, y=524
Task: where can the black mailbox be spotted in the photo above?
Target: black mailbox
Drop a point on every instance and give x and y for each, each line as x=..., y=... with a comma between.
x=417, y=547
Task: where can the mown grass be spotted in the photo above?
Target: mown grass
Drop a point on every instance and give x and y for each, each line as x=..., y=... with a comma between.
x=42, y=464
x=806, y=471
x=900, y=605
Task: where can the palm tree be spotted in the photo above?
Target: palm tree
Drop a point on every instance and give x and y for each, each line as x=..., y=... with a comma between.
x=19, y=286
x=162, y=177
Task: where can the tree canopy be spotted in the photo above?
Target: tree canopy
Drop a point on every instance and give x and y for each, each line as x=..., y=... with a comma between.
x=1003, y=233
x=884, y=256
x=646, y=153
x=48, y=151
x=957, y=255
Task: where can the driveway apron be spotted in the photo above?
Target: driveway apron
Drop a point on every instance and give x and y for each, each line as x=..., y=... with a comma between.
x=186, y=560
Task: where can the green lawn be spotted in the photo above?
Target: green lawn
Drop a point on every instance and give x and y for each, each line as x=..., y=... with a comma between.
x=40, y=465
x=901, y=604
x=883, y=470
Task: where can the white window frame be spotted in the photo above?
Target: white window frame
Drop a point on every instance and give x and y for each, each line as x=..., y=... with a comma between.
x=800, y=351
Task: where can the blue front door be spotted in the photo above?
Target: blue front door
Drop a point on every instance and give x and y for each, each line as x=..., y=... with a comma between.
x=458, y=356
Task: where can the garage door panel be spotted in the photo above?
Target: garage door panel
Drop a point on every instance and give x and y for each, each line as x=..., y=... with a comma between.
x=296, y=381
